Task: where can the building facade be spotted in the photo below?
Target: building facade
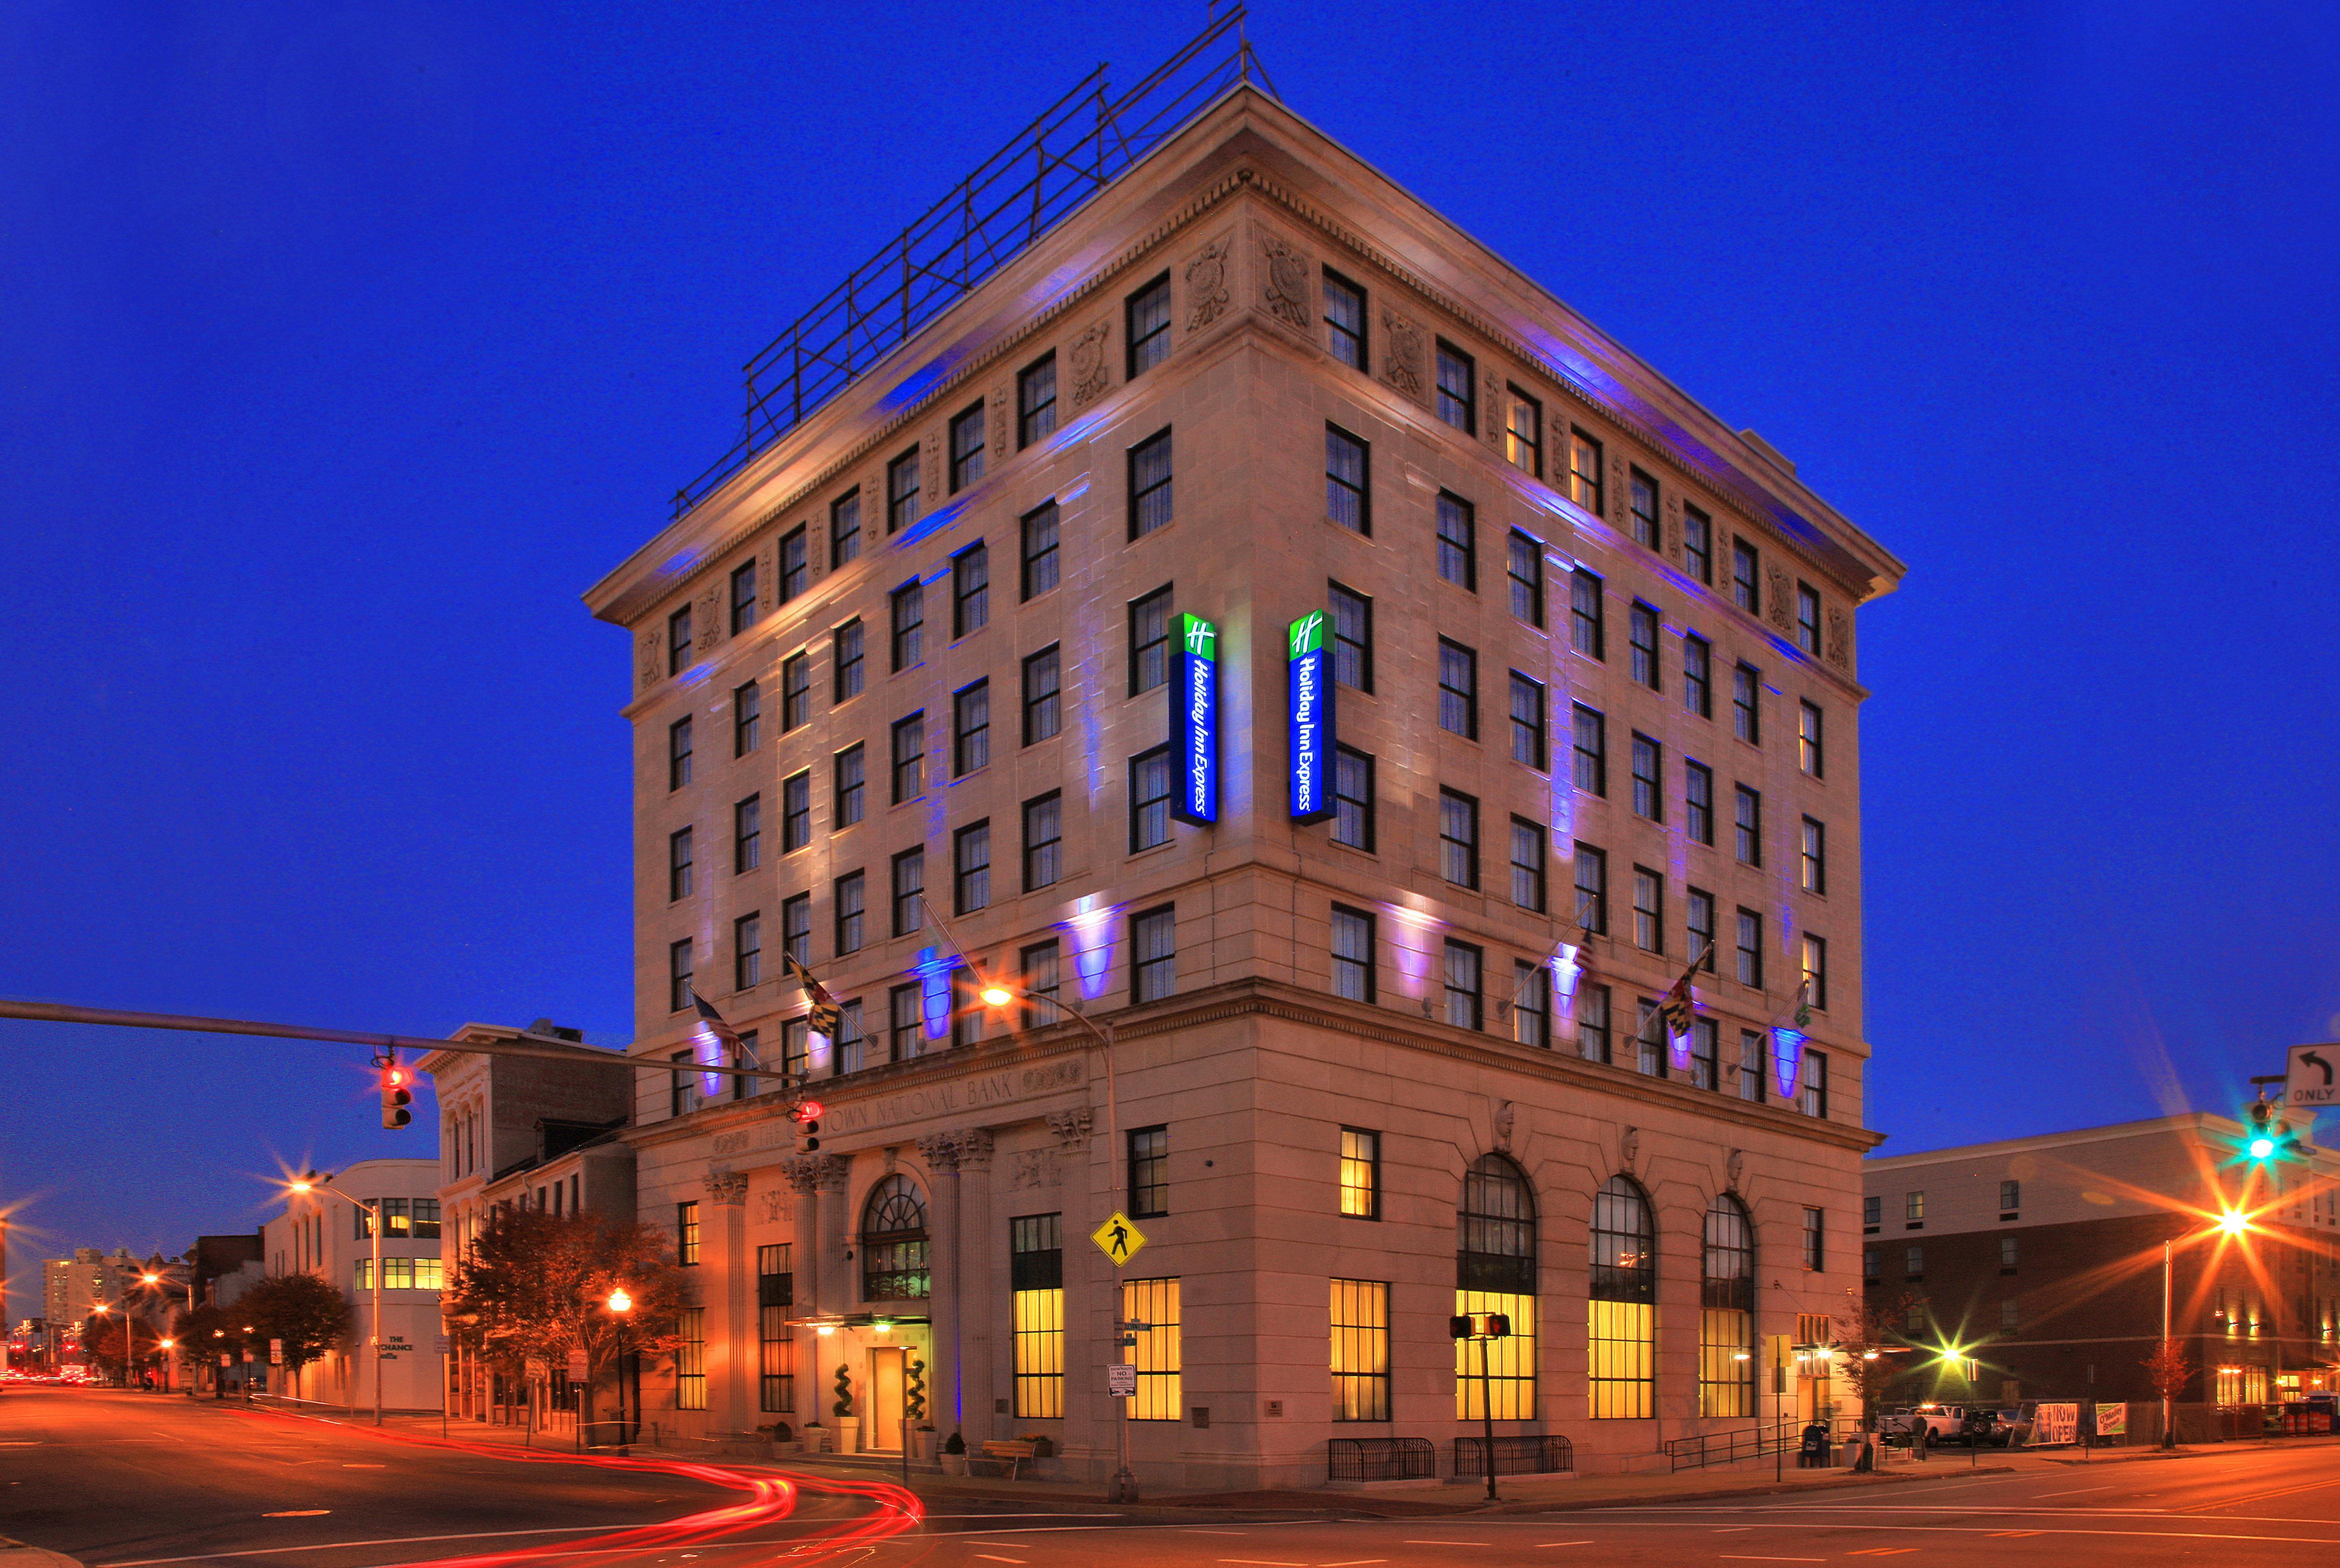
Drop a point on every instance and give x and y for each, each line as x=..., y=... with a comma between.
x=1008, y=635
x=327, y=1234
x=2033, y=1269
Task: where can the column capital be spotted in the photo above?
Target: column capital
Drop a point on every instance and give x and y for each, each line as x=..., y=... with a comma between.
x=812, y=1173
x=728, y=1188
x=1070, y=1128
x=967, y=1147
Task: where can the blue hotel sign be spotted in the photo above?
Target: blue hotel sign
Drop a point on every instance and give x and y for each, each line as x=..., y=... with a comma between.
x=1195, y=722
x=1309, y=686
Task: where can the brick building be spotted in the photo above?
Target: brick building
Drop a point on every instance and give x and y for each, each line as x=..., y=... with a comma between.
x=1590, y=656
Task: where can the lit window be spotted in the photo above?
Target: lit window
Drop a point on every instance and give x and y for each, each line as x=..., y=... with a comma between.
x=1584, y=471
x=1523, y=433
x=1361, y=1174
x=1359, y=1350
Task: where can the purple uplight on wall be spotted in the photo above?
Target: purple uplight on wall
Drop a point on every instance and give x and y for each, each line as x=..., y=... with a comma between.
x=934, y=972
x=1091, y=932
x=1786, y=1063
x=1413, y=946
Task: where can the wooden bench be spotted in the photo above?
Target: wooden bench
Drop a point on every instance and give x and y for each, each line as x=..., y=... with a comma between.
x=1010, y=1452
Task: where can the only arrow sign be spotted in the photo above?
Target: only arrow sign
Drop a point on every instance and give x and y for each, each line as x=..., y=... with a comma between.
x=2309, y=1081
x=2306, y=1057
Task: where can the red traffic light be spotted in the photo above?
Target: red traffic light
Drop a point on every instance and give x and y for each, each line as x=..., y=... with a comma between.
x=805, y=1110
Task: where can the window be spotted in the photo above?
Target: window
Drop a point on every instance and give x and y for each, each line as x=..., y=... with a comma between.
x=1698, y=676
x=909, y=754
x=2009, y=1313
x=678, y=864
x=1591, y=890
x=1523, y=432
x=1344, y=320
x=743, y=584
x=1348, y=501
x=1726, y=1340
x=1361, y=1174
x=844, y=529
x=776, y=1349
x=795, y=927
x=894, y=1242
x=1913, y=1321
x=678, y=975
x=1352, y=953
x=1043, y=695
x=967, y=449
x=1698, y=926
x=1698, y=802
x=2010, y=1199
x=1808, y=618
x=910, y=891
x=1458, y=838
x=691, y=1355
x=1913, y=1207
x=1591, y=769
x=1353, y=638
x=1584, y=472
x=905, y=1022
x=1747, y=703
x=1645, y=512
x=1524, y=564
x=1705, y=1053
x=1035, y=400
x=1751, y=949
x=1815, y=857
x=1750, y=1065
x=1458, y=389
x=1458, y=548
x=686, y=1233
x=1044, y=834
x=747, y=952
x=1648, y=910
x=1593, y=1037
x=971, y=867
x=746, y=719
x=848, y=645
x=1153, y=953
x=1652, y=1052
x=796, y=812
x=1816, y=971
x=677, y=641
x=1150, y=493
x=1466, y=1000
x=1149, y=799
x=1698, y=544
x=1648, y=778
x=1750, y=819
x=1808, y=739
x=1148, y=319
x=1039, y=965
x=851, y=893
x=971, y=589
x=1528, y=722
x=1815, y=1240
x=1158, y=1353
x=1530, y=1004
x=1149, y=1172
x=679, y=1098
x=971, y=729
x=1587, y=629
x=902, y=482
x=796, y=570
x=1495, y=1271
x=1149, y=641
x=850, y=772
x=1458, y=690
x=967, y=1012
x=849, y=1038
x=1527, y=864
x=1361, y=1350
x=909, y=609
x=1035, y=1273
x=1742, y=578
x=796, y=692
x=677, y=754
x=1353, y=799
x=1039, y=530
x=1622, y=1308
x=1872, y=1212
x=2007, y=1255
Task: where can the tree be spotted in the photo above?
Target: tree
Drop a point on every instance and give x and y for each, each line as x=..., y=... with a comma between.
x=309, y=1314
x=102, y=1342
x=2170, y=1372
x=1875, y=1346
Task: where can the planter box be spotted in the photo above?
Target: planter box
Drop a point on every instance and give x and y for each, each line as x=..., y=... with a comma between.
x=954, y=1464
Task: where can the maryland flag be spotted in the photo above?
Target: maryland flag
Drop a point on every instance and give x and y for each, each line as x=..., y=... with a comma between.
x=1680, y=1005
x=824, y=1014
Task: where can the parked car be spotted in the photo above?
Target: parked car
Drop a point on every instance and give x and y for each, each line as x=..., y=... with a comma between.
x=1940, y=1422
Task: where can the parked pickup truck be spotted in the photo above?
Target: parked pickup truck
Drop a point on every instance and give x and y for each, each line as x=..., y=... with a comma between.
x=1940, y=1422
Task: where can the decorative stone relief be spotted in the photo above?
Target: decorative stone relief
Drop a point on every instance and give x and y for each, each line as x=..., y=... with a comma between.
x=728, y=1187
x=650, y=659
x=1206, y=285
x=1673, y=529
x=708, y=618
x=773, y=1207
x=1505, y=1112
x=1736, y=1167
x=940, y=1150
x=1840, y=638
x=811, y=1173
x=1402, y=355
x=1070, y=1128
x=768, y=576
x=975, y=1148
x=1781, y=587
x=1629, y=1145
x=931, y=468
x=1493, y=415
x=1033, y=1168
x=998, y=424
x=1286, y=285
x=1091, y=375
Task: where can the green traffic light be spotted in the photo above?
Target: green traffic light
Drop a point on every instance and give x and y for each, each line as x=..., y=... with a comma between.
x=2262, y=1146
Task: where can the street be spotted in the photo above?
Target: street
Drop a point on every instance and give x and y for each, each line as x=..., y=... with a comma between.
x=128, y=1481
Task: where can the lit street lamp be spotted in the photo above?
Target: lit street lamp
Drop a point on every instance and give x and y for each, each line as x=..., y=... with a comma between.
x=313, y=1182
x=619, y=1304
x=154, y=1280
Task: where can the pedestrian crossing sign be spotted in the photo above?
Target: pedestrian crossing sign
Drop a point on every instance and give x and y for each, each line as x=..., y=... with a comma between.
x=1117, y=1238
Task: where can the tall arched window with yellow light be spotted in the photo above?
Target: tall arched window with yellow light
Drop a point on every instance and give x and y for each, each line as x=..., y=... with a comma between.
x=1621, y=1314
x=1495, y=1271
x=894, y=1242
x=1726, y=1319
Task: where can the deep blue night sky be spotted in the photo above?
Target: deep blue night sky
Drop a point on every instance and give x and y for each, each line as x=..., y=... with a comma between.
x=344, y=346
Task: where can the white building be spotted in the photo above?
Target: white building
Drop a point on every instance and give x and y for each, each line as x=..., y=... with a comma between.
x=326, y=1234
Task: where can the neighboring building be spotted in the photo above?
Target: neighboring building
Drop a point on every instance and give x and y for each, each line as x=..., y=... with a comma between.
x=525, y=1133
x=2032, y=1268
x=325, y=1234
x=1593, y=657
x=227, y=1266
x=73, y=1288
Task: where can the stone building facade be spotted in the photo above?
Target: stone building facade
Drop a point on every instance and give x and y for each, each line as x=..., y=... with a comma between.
x=1592, y=663
x=324, y=1233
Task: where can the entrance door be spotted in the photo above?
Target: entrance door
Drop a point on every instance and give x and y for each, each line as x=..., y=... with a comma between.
x=885, y=1399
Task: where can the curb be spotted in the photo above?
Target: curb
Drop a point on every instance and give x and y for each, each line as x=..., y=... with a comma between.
x=16, y=1555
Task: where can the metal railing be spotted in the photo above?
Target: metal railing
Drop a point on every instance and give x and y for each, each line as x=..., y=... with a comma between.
x=1380, y=1459
x=1074, y=149
x=1514, y=1455
x=1723, y=1447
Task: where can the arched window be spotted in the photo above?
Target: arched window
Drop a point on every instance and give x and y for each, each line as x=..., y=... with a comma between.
x=1726, y=1319
x=894, y=1242
x=1621, y=1314
x=1495, y=1271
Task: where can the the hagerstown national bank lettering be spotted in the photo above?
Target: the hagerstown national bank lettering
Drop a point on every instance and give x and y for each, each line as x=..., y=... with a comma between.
x=954, y=1098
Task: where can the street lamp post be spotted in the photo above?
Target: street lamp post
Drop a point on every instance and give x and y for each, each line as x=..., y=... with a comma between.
x=313, y=1182
x=619, y=1304
x=2168, y=1433
x=153, y=1279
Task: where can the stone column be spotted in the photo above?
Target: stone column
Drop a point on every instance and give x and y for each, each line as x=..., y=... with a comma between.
x=941, y=1152
x=978, y=1303
x=731, y=1346
x=804, y=1173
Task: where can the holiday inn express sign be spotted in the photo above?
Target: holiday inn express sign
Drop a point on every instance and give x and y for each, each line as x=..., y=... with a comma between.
x=1309, y=714
x=1195, y=722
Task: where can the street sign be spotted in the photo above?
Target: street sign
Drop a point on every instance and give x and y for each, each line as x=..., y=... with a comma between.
x=2309, y=1081
x=247, y=1358
x=276, y=1353
x=1121, y=1380
x=443, y=1345
x=578, y=1369
x=1117, y=1238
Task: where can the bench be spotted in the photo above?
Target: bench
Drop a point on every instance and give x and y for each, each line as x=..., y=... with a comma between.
x=1010, y=1452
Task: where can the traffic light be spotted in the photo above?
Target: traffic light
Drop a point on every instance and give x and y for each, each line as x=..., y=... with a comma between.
x=2267, y=1133
x=395, y=1095
x=1479, y=1325
x=805, y=1113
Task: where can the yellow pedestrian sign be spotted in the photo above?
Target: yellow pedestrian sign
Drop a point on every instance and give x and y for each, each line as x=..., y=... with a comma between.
x=1117, y=1238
